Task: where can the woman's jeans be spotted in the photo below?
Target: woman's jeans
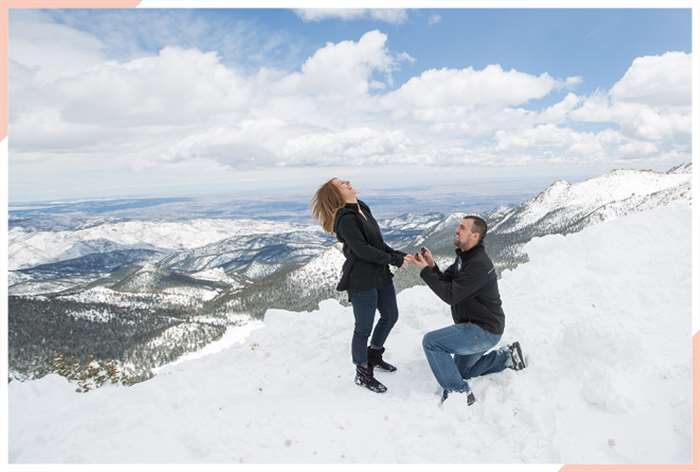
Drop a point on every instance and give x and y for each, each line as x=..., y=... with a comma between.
x=468, y=342
x=364, y=305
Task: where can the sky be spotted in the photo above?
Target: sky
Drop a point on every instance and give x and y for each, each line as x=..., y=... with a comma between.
x=107, y=103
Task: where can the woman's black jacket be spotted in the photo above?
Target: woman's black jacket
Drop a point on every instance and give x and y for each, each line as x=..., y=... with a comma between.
x=367, y=255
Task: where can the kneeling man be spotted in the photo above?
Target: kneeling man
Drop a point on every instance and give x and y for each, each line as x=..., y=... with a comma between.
x=470, y=287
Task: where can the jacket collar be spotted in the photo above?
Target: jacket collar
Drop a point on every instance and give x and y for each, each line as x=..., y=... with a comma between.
x=347, y=208
x=466, y=255
x=356, y=206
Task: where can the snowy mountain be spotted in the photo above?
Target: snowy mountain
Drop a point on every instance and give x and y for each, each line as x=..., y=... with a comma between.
x=564, y=208
x=686, y=168
x=240, y=268
x=602, y=315
x=255, y=254
x=560, y=209
x=30, y=248
x=563, y=205
x=404, y=230
x=323, y=270
x=212, y=269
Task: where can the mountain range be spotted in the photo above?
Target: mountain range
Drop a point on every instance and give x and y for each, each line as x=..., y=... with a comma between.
x=178, y=284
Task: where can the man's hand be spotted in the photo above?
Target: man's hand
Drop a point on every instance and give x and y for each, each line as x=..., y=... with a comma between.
x=420, y=262
x=427, y=256
x=408, y=259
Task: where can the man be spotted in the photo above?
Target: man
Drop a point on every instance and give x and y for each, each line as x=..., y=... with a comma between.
x=470, y=287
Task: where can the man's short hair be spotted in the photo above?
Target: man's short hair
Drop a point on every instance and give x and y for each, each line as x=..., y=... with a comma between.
x=478, y=225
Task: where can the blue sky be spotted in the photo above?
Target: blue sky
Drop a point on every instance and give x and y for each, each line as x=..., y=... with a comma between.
x=421, y=90
x=600, y=44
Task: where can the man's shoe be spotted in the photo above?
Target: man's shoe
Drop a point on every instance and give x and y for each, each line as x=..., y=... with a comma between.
x=374, y=359
x=470, y=397
x=516, y=356
x=364, y=377
x=445, y=394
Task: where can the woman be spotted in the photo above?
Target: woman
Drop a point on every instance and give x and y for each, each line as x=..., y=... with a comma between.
x=366, y=275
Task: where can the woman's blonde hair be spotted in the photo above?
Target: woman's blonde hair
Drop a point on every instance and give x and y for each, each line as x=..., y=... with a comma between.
x=325, y=204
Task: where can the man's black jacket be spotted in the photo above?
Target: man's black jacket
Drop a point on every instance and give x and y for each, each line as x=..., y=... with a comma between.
x=471, y=291
x=367, y=255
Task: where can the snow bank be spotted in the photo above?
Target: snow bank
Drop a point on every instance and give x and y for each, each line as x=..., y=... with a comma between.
x=603, y=315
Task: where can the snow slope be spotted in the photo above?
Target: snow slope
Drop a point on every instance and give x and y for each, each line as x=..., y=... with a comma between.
x=603, y=315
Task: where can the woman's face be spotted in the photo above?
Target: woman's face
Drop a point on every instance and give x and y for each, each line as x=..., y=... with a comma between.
x=349, y=194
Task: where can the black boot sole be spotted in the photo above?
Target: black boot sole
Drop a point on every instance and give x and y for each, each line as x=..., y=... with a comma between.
x=375, y=386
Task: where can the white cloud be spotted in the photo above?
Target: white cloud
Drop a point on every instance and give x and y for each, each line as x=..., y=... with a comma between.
x=52, y=49
x=183, y=112
x=560, y=110
x=493, y=86
x=545, y=136
x=342, y=69
x=393, y=16
x=572, y=145
x=404, y=56
x=650, y=102
x=663, y=80
x=587, y=146
x=573, y=81
x=175, y=87
x=636, y=119
x=231, y=147
x=638, y=149
x=361, y=146
x=434, y=19
x=44, y=131
x=389, y=15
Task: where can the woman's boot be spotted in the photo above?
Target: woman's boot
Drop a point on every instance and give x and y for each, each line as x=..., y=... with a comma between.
x=365, y=377
x=374, y=358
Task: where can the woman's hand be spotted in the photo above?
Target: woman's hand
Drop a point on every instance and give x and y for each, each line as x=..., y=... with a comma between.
x=408, y=259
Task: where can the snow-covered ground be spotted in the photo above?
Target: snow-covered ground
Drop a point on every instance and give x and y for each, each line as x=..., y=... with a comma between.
x=603, y=315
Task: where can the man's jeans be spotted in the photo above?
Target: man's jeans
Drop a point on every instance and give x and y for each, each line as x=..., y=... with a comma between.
x=468, y=342
x=364, y=305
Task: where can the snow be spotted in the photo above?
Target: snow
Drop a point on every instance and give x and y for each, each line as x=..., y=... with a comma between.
x=593, y=193
x=106, y=295
x=603, y=316
x=14, y=277
x=184, y=295
x=233, y=335
x=322, y=270
x=33, y=287
x=172, y=296
x=260, y=270
x=30, y=248
x=216, y=275
x=97, y=316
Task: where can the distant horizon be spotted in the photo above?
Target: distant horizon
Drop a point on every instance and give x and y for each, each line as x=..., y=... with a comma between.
x=535, y=183
x=292, y=196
